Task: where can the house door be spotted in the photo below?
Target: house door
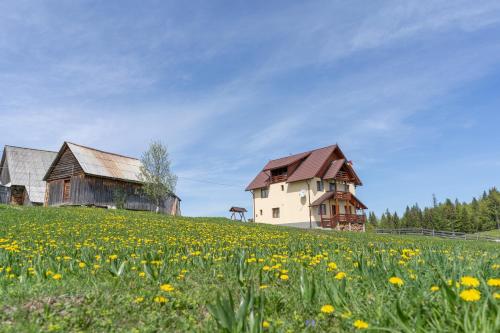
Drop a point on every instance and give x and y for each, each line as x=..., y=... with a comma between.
x=67, y=190
x=334, y=210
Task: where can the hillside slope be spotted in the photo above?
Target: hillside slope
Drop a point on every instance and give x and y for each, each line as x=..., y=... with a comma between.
x=82, y=269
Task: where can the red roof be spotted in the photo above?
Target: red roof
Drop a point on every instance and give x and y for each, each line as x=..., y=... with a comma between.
x=334, y=168
x=314, y=163
x=285, y=161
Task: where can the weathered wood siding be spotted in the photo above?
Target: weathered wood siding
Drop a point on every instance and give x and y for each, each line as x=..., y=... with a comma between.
x=95, y=191
x=66, y=167
x=4, y=195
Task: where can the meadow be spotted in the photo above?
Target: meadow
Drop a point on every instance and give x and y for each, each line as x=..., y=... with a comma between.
x=83, y=269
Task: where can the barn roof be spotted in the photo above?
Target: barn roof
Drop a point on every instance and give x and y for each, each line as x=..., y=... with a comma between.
x=102, y=164
x=27, y=167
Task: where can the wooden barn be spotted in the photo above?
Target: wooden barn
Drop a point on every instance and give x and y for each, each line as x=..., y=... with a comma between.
x=85, y=176
x=21, y=175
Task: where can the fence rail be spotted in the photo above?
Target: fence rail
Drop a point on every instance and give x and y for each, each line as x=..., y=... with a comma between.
x=437, y=233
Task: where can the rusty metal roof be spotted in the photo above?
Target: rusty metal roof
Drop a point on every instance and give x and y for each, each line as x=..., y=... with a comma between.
x=26, y=167
x=103, y=164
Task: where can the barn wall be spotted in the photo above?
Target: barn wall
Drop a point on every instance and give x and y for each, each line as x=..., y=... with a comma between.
x=4, y=195
x=95, y=191
x=66, y=167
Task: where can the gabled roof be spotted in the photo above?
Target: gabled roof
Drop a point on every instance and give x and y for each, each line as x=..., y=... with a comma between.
x=285, y=161
x=27, y=167
x=337, y=165
x=322, y=163
x=102, y=164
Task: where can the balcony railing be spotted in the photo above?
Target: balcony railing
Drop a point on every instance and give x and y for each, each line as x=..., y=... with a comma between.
x=332, y=221
x=278, y=179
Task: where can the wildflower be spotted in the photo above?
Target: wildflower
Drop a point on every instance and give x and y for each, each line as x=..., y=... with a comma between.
x=96, y=266
x=434, y=288
x=265, y=324
x=113, y=257
x=359, y=324
x=284, y=277
x=396, y=280
x=264, y=286
x=494, y=282
x=142, y=274
x=346, y=315
x=332, y=266
x=57, y=276
x=167, y=287
x=470, y=295
x=340, y=275
x=81, y=265
x=160, y=299
x=469, y=281
x=496, y=295
x=139, y=300
x=327, y=309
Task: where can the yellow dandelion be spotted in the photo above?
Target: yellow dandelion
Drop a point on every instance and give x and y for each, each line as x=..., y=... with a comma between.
x=494, y=282
x=265, y=324
x=340, y=275
x=284, y=277
x=167, y=287
x=360, y=325
x=469, y=281
x=434, y=288
x=139, y=300
x=470, y=295
x=396, y=280
x=142, y=274
x=264, y=286
x=496, y=295
x=81, y=265
x=57, y=276
x=160, y=299
x=266, y=268
x=327, y=309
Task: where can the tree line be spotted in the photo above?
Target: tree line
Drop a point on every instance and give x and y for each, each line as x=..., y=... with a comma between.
x=481, y=214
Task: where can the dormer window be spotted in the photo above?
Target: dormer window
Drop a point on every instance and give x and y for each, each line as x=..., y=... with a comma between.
x=264, y=192
x=279, y=175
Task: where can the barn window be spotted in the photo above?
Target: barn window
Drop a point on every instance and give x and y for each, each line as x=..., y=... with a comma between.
x=276, y=213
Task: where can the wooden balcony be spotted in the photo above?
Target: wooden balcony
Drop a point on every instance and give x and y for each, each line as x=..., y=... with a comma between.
x=278, y=179
x=342, y=195
x=333, y=221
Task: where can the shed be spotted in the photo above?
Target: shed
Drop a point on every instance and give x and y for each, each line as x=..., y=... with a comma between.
x=82, y=175
x=21, y=175
x=238, y=210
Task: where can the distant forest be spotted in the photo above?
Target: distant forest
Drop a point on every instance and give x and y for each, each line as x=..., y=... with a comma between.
x=481, y=214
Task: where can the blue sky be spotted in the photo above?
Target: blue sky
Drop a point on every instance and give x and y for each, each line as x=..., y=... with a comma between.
x=409, y=90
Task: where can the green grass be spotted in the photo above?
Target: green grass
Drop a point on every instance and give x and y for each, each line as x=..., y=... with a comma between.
x=491, y=233
x=231, y=277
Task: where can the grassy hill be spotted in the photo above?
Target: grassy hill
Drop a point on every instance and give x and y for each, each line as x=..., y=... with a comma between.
x=82, y=269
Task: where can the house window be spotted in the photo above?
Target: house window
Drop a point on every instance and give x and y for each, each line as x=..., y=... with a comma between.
x=319, y=185
x=322, y=209
x=276, y=213
x=264, y=192
x=332, y=187
x=282, y=187
x=261, y=214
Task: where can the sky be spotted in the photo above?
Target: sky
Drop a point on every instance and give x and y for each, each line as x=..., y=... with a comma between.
x=410, y=90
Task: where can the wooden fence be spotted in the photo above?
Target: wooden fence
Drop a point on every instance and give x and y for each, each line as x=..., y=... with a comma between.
x=437, y=233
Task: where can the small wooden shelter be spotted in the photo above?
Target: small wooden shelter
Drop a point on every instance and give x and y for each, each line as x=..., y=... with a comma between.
x=21, y=175
x=238, y=211
x=86, y=176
